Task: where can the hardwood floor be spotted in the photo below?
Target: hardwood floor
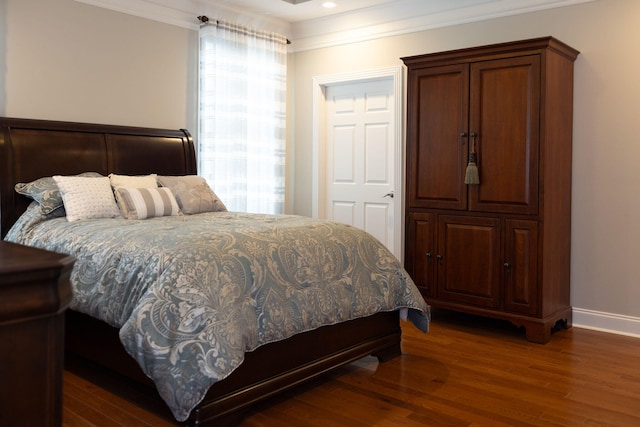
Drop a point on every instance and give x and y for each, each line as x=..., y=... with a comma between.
x=467, y=371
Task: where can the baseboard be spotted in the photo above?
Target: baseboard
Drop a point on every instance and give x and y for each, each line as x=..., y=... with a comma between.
x=606, y=322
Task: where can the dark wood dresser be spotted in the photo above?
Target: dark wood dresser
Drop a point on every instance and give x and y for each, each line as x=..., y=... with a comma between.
x=34, y=293
x=494, y=243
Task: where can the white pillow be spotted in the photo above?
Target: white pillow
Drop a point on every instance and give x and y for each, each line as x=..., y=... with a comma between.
x=141, y=203
x=138, y=181
x=85, y=197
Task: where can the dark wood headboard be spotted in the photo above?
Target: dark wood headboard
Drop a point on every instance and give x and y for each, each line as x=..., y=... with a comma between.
x=32, y=149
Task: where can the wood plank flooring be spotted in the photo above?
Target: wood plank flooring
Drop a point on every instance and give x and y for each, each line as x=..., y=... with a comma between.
x=467, y=371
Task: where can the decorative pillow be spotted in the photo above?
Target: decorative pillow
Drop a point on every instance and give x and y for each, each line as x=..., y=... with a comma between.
x=140, y=181
x=129, y=181
x=193, y=194
x=32, y=216
x=141, y=203
x=45, y=191
x=86, y=198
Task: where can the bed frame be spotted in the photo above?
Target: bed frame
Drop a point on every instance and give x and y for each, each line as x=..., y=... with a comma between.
x=31, y=149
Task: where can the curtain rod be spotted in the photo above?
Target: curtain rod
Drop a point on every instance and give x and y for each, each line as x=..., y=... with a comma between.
x=205, y=20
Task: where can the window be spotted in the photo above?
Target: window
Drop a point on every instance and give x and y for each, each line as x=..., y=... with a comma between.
x=241, y=142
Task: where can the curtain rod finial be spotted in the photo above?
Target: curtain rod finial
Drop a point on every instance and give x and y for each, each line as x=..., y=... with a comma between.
x=203, y=19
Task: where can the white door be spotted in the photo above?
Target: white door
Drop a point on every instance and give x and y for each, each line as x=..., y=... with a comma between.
x=360, y=156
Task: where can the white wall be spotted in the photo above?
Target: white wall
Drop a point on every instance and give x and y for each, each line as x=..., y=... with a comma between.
x=65, y=60
x=605, y=282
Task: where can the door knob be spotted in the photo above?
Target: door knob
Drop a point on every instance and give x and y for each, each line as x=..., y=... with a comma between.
x=389, y=194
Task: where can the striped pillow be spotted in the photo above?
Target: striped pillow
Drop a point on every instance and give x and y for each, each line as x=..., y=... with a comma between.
x=141, y=203
x=128, y=181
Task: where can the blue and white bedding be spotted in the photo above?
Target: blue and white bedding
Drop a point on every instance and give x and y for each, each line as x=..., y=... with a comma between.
x=192, y=293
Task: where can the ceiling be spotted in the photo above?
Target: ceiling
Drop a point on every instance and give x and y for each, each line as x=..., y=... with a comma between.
x=290, y=11
x=309, y=25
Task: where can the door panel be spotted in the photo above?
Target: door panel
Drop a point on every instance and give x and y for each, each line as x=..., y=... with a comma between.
x=521, y=266
x=434, y=142
x=421, y=250
x=504, y=114
x=468, y=260
x=376, y=220
x=343, y=212
x=344, y=145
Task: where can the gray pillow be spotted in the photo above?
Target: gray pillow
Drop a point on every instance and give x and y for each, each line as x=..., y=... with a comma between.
x=45, y=191
x=193, y=194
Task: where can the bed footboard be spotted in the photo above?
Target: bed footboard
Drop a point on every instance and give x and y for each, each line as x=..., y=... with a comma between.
x=267, y=371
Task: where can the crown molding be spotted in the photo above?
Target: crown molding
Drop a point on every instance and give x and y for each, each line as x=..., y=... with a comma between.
x=184, y=13
x=149, y=10
x=385, y=20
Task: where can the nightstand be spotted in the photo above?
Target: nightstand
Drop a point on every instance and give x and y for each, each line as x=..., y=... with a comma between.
x=34, y=293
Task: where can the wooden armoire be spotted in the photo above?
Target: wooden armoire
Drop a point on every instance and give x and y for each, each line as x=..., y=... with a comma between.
x=499, y=245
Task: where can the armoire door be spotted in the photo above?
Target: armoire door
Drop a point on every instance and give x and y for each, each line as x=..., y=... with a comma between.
x=521, y=266
x=436, y=151
x=504, y=122
x=421, y=251
x=468, y=260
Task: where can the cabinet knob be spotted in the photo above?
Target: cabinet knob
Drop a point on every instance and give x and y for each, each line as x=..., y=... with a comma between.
x=463, y=135
x=507, y=265
x=428, y=254
x=439, y=256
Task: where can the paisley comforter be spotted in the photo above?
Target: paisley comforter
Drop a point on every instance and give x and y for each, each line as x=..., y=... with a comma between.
x=191, y=294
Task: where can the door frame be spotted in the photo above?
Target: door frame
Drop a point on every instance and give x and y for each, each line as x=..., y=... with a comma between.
x=320, y=83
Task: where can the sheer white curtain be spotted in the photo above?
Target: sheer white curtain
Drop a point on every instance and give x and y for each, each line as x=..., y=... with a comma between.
x=241, y=139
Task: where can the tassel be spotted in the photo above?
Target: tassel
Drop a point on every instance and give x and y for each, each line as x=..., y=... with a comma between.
x=471, y=176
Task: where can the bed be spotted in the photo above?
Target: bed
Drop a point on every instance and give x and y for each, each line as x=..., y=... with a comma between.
x=278, y=354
